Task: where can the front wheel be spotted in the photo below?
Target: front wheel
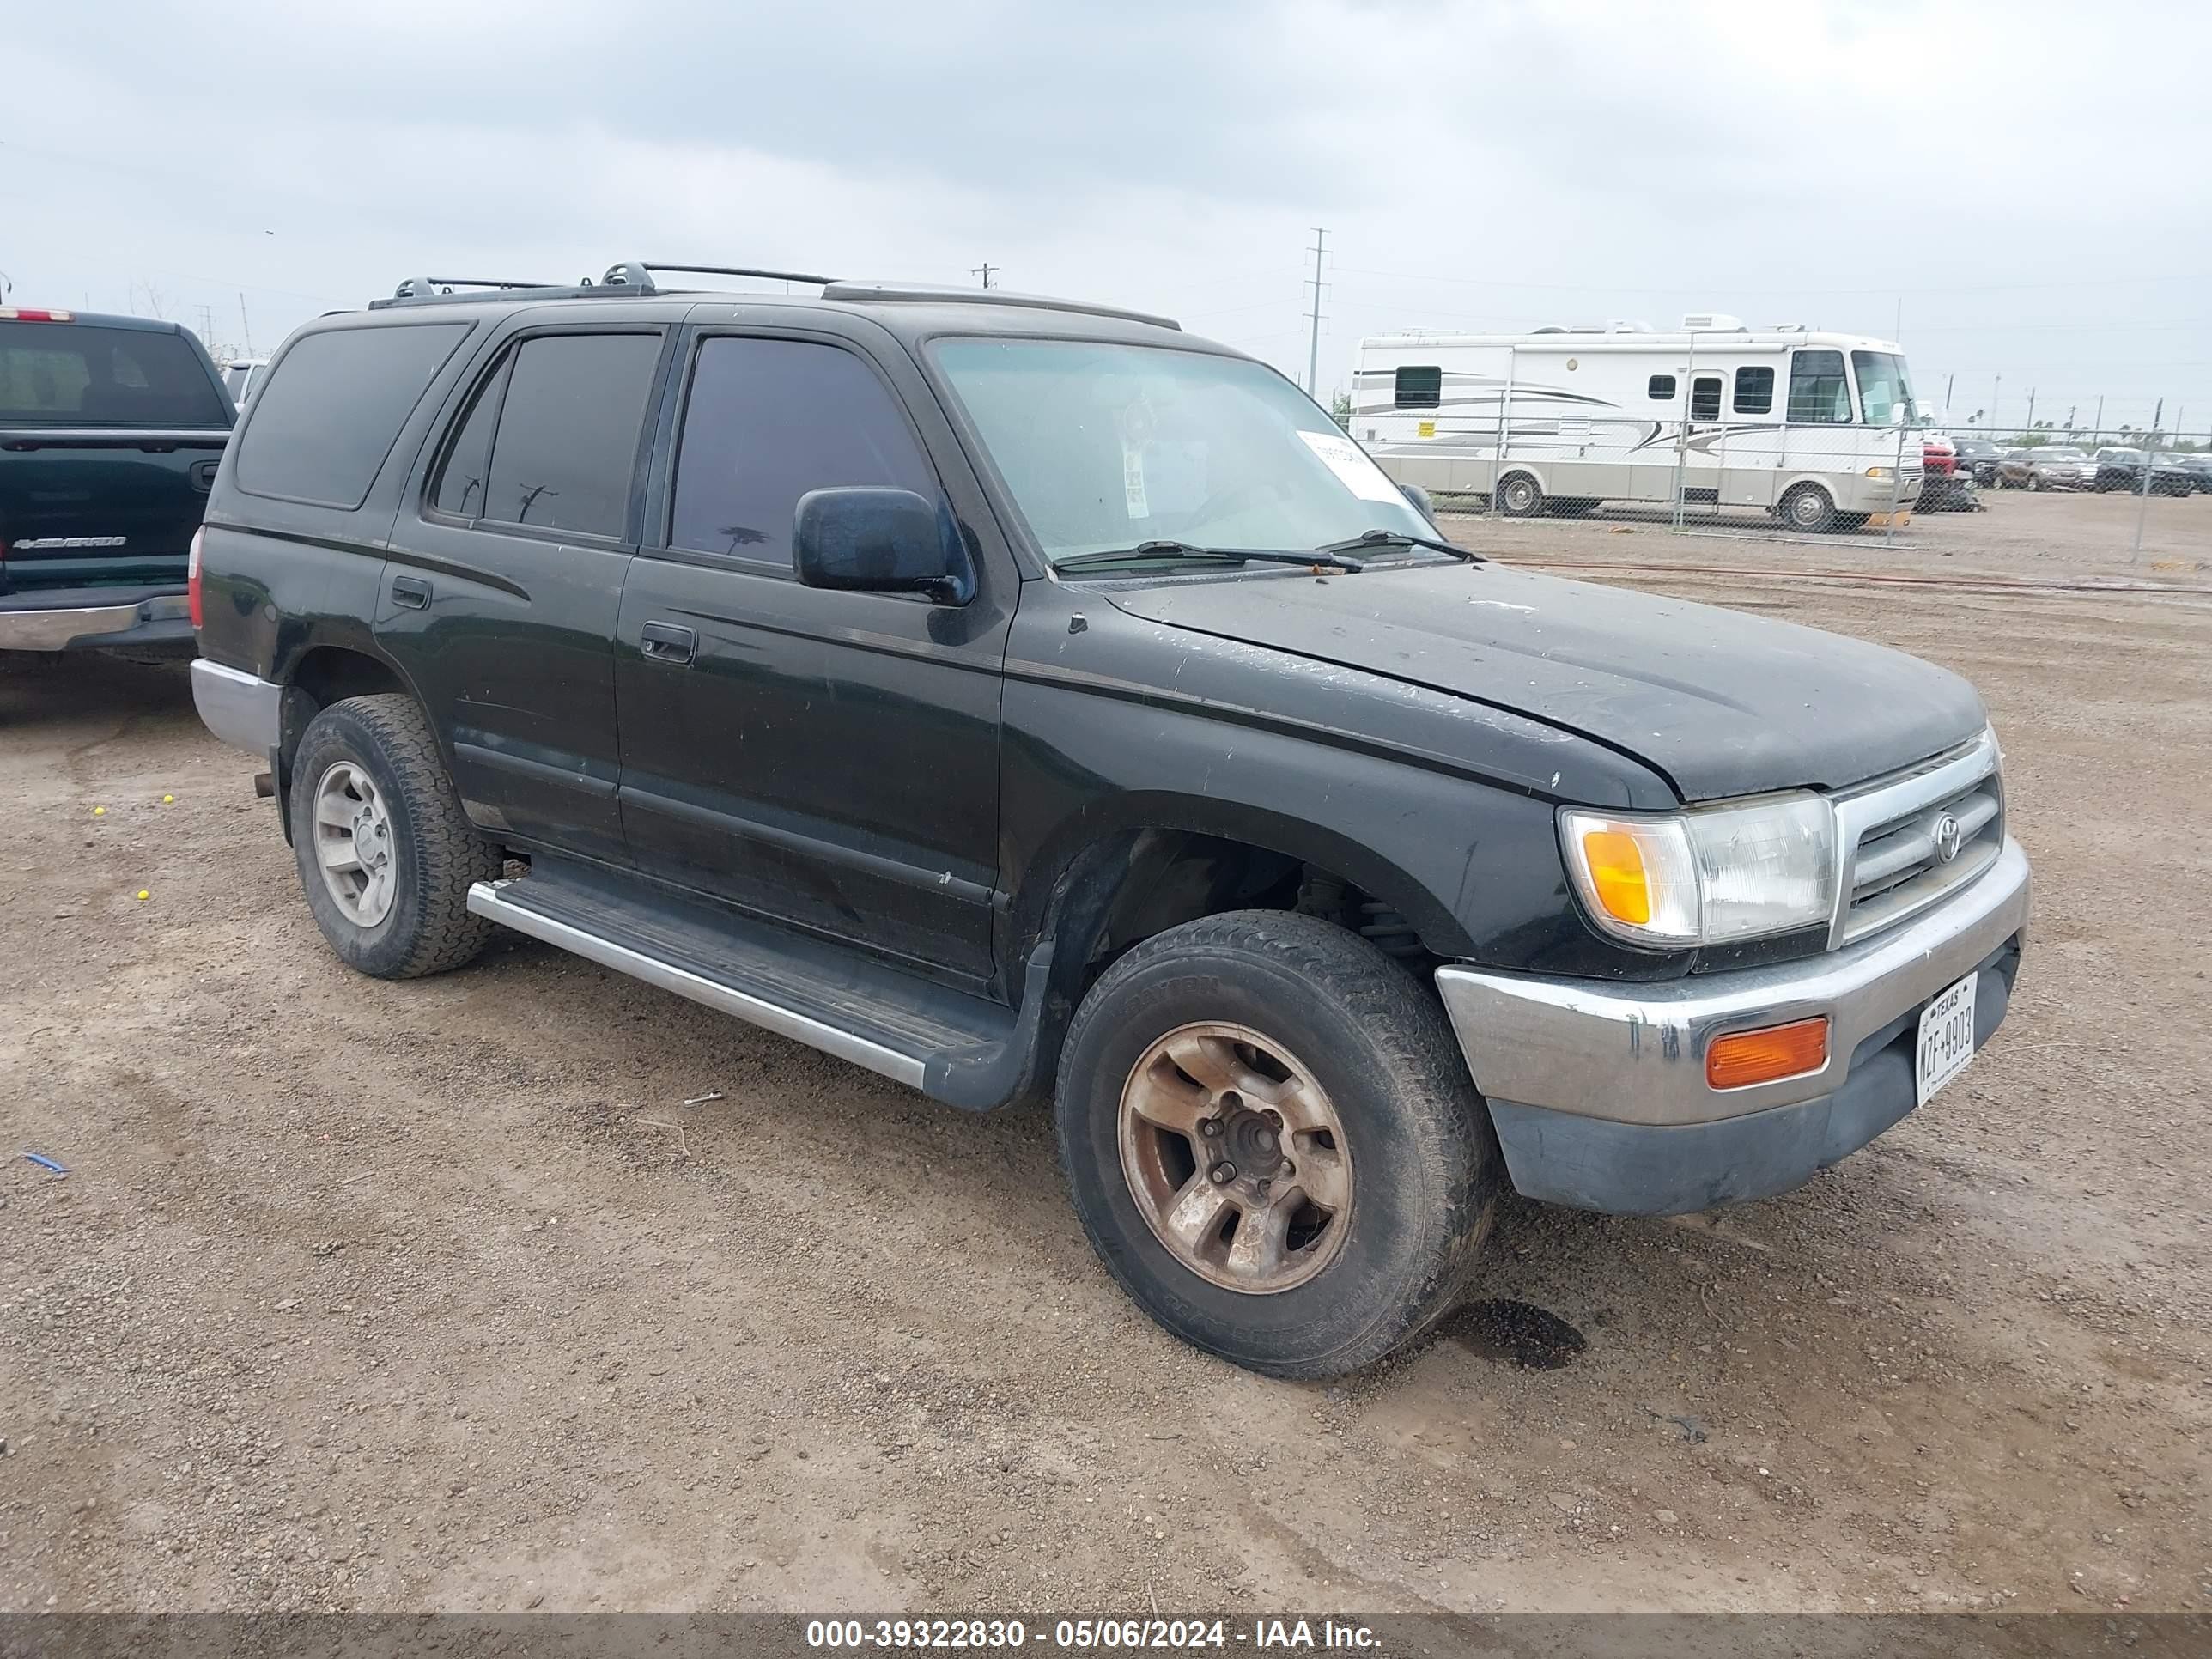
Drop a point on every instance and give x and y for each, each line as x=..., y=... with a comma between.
x=1520, y=497
x=386, y=856
x=1272, y=1139
x=1807, y=507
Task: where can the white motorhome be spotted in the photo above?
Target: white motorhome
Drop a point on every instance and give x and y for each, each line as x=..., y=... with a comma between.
x=1813, y=427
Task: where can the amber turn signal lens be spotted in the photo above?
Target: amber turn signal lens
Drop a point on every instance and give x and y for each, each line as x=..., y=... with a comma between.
x=1747, y=1057
x=1616, y=868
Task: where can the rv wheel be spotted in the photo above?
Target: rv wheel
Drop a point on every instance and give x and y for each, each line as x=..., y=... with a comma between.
x=1519, y=497
x=1807, y=507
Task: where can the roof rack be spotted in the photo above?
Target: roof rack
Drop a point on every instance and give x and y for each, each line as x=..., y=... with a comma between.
x=637, y=274
x=433, y=290
x=924, y=293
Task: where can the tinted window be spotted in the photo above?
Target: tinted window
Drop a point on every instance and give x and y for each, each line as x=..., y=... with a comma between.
x=769, y=420
x=1706, y=398
x=332, y=407
x=83, y=375
x=461, y=478
x=567, y=432
x=1754, y=391
x=1419, y=388
x=1818, y=394
x=1661, y=387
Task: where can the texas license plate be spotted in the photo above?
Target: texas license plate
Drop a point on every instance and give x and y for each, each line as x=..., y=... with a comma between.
x=1947, y=1038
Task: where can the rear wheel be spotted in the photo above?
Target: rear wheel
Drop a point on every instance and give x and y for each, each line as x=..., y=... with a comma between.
x=2034, y=482
x=1520, y=497
x=1807, y=507
x=386, y=856
x=1273, y=1142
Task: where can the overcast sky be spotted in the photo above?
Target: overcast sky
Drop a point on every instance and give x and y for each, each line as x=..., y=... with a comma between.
x=2022, y=189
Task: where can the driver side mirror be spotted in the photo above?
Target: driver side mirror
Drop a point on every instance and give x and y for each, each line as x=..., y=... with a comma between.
x=867, y=539
x=1422, y=504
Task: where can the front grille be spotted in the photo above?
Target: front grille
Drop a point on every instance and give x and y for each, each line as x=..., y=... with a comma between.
x=1893, y=839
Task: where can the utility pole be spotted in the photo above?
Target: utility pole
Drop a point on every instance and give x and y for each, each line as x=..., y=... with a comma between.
x=2030, y=409
x=245, y=322
x=2099, y=431
x=1313, y=339
x=983, y=271
x=1949, y=381
x=2149, y=461
x=1997, y=392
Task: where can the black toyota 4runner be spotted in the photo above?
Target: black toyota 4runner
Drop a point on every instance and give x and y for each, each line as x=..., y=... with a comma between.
x=1025, y=700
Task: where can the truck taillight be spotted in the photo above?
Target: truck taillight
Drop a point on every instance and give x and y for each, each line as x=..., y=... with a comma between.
x=24, y=314
x=192, y=579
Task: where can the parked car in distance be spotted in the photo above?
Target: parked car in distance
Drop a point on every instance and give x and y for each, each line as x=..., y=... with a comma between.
x=2122, y=468
x=109, y=431
x=1944, y=486
x=2192, y=469
x=1027, y=701
x=2198, y=465
x=239, y=377
x=2047, y=466
x=1980, y=458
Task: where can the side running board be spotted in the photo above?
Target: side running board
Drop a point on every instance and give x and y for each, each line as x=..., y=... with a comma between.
x=957, y=1048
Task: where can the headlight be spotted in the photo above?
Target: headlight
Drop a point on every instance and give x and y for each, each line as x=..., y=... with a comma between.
x=1703, y=876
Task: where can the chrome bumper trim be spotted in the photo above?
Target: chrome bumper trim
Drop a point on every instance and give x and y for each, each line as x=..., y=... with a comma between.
x=243, y=710
x=1636, y=1052
x=49, y=630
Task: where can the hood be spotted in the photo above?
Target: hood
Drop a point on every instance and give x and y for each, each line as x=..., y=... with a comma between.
x=1720, y=702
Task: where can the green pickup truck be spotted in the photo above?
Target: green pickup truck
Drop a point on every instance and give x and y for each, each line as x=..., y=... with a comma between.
x=111, y=430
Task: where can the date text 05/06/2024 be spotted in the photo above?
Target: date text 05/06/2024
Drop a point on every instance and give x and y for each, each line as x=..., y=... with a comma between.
x=1094, y=1635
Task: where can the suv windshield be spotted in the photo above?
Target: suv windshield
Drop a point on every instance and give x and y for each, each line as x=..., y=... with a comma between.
x=83, y=375
x=1109, y=446
x=1883, y=386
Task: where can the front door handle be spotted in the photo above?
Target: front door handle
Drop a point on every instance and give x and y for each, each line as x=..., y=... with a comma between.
x=667, y=642
x=412, y=591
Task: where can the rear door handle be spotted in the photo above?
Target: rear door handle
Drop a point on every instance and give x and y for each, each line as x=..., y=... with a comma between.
x=667, y=642
x=412, y=591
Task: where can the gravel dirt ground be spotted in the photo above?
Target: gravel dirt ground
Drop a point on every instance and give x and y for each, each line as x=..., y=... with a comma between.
x=438, y=1295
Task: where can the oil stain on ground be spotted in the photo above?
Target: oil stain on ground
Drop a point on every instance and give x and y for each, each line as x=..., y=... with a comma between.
x=1518, y=1331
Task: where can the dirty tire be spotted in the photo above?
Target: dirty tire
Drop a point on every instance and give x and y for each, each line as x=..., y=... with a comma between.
x=1807, y=507
x=1424, y=1156
x=437, y=854
x=1520, y=497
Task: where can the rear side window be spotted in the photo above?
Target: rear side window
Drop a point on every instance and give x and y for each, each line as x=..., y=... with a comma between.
x=1706, y=398
x=1754, y=391
x=333, y=406
x=1419, y=388
x=83, y=375
x=769, y=420
x=461, y=480
x=566, y=446
x=1660, y=388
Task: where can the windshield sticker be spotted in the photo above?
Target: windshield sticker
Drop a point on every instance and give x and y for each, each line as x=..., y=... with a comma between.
x=1353, y=470
x=1133, y=480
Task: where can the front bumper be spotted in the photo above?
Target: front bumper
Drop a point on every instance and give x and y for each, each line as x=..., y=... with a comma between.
x=1598, y=1091
x=160, y=620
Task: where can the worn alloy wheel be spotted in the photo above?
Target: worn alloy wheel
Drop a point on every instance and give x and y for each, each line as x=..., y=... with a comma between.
x=353, y=843
x=1807, y=507
x=1273, y=1141
x=386, y=856
x=1236, y=1158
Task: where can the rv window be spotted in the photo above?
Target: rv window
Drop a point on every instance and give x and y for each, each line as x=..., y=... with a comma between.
x=1419, y=388
x=1661, y=388
x=1706, y=398
x=1818, y=394
x=1754, y=391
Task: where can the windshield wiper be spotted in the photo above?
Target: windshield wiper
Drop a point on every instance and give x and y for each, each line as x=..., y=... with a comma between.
x=1400, y=538
x=1185, y=553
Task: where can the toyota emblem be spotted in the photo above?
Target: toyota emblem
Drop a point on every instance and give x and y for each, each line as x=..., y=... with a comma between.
x=1947, y=837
